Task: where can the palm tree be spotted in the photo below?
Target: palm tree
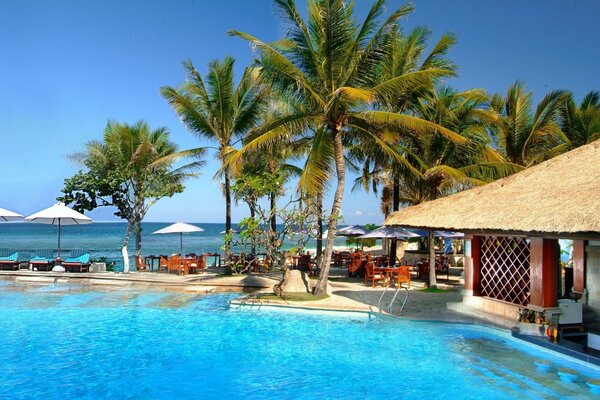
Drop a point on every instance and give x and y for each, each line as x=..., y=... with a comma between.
x=525, y=137
x=213, y=109
x=329, y=66
x=580, y=125
x=406, y=54
x=130, y=170
x=446, y=168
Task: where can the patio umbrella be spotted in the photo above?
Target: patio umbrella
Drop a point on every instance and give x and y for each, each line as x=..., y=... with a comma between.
x=181, y=228
x=59, y=214
x=353, y=231
x=389, y=232
x=6, y=215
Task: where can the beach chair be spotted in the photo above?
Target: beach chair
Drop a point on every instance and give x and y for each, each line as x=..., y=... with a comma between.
x=43, y=260
x=9, y=261
x=372, y=275
x=140, y=264
x=79, y=261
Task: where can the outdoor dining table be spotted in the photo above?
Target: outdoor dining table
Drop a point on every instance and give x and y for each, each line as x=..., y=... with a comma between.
x=150, y=260
x=389, y=273
x=216, y=260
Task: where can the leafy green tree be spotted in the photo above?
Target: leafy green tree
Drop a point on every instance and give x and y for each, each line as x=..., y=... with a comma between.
x=525, y=137
x=328, y=66
x=580, y=125
x=126, y=170
x=213, y=108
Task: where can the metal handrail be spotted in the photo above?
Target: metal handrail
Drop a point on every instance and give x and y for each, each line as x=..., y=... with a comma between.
x=389, y=308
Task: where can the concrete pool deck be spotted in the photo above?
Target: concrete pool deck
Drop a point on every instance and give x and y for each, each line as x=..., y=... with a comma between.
x=348, y=294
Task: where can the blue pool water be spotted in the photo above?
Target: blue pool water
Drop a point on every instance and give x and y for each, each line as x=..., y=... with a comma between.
x=62, y=342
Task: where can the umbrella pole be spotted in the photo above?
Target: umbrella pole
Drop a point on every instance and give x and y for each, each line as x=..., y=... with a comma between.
x=181, y=243
x=59, y=238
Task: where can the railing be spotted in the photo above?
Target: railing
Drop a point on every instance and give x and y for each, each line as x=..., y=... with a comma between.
x=389, y=308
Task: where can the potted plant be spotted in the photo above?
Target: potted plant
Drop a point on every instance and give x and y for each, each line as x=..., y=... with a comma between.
x=532, y=322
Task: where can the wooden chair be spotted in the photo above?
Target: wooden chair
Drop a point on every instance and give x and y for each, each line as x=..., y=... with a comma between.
x=355, y=264
x=403, y=275
x=175, y=265
x=304, y=263
x=441, y=266
x=371, y=275
x=163, y=264
x=140, y=264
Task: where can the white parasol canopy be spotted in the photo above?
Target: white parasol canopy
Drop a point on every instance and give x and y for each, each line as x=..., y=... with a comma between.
x=352, y=231
x=6, y=215
x=59, y=214
x=391, y=232
x=181, y=228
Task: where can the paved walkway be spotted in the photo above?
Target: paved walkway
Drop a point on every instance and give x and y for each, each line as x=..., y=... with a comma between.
x=347, y=293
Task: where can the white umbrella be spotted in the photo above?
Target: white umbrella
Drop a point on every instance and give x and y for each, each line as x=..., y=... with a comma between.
x=6, y=215
x=59, y=214
x=352, y=231
x=389, y=232
x=181, y=228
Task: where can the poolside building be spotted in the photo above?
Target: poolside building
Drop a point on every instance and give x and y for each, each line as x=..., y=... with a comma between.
x=512, y=229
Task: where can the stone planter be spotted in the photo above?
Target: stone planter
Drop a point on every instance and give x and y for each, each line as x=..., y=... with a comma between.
x=98, y=267
x=527, y=328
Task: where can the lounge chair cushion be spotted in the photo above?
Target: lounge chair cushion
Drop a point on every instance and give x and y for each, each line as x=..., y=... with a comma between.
x=12, y=257
x=41, y=259
x=82, y=259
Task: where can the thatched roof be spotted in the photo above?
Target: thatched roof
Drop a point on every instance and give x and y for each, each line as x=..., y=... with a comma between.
x=559, y=196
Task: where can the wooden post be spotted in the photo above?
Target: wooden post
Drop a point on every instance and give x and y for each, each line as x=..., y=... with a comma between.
x=578, y=265
x=544, y=264
x=473, y=265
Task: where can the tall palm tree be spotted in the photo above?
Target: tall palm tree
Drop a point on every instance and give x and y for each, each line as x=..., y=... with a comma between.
x=329, y=64
x=131, y=170
x=447, y=168
x=406, y=54
x=580, y=125
x=523, y=136
x=216, y=110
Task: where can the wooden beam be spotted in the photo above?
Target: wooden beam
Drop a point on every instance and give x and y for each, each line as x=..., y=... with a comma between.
x=578, y=265
x=544, y=264
x=473, y=265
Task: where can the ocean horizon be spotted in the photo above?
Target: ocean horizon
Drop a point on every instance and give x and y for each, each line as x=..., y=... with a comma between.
x=104, y=239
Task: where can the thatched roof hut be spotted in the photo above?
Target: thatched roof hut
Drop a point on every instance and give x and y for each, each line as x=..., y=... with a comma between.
x=560, y=197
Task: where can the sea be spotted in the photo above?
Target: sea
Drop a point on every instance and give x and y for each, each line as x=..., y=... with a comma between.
x=104, y=239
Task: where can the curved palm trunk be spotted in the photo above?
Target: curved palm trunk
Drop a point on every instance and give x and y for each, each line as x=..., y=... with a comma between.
x=432, y=277
x=124, y=251
x=253, y=216
x=227, y=190
x=319, y=228
x=273, y=199
x=395, y=207
x=338, y=147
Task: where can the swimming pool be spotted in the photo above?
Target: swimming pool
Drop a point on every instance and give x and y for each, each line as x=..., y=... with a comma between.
x=69, y=342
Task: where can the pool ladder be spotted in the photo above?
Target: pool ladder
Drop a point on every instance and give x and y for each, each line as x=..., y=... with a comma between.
x=389, y=309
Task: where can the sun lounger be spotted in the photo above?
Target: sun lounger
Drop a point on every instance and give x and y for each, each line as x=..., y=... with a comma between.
x=43, y=260
x=79, y=261
x=10, y=261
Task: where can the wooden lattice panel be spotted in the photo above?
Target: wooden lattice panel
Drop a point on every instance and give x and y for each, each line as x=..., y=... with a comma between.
x=505, y=269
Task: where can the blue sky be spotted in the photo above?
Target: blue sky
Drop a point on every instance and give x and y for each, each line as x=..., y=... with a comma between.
x=66, y=67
